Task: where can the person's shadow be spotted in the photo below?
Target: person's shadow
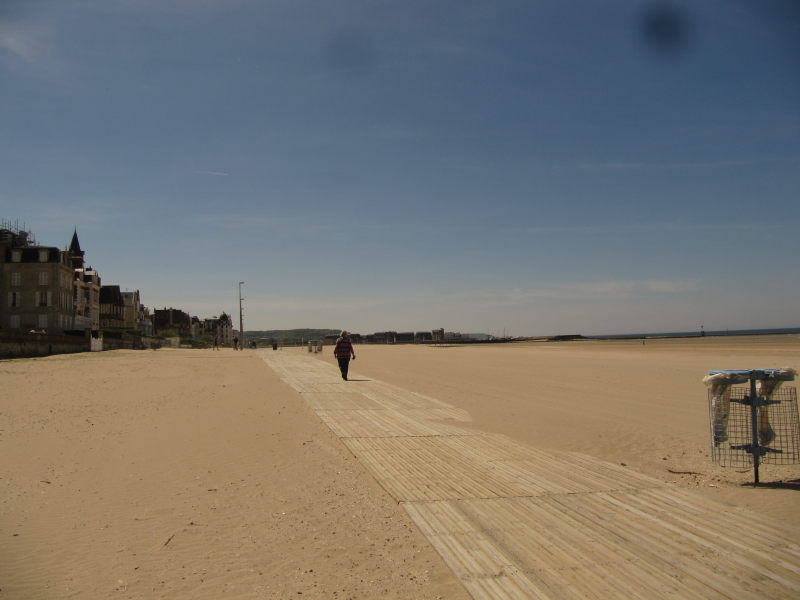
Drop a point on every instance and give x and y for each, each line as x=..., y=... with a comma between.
x=348, y=379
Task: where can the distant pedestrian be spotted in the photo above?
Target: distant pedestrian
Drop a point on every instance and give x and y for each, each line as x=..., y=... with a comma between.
x=216, y=342
x=343, y=350
x=235, y=343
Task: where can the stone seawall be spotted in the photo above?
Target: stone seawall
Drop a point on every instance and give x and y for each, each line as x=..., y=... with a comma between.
x=16, y=344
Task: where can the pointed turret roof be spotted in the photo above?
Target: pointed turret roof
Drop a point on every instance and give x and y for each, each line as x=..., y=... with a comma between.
x=75, y=245
x=75, y=252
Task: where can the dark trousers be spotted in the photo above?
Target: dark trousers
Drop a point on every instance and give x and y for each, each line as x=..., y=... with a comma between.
x=344, y=364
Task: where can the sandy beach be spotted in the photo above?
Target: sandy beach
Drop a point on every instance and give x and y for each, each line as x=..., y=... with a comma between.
x=200, y=474
x=190, y=474
x=643, y=405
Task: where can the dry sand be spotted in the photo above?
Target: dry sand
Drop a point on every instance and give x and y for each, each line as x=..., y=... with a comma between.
x=643, y=405
x=199, y=474
x=190, y=474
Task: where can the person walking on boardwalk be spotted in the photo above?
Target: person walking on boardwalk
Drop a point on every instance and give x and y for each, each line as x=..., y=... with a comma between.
x=343, y=350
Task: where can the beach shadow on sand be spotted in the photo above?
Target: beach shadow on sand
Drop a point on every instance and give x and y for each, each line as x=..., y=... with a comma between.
x=792, y=484
x=348, y=379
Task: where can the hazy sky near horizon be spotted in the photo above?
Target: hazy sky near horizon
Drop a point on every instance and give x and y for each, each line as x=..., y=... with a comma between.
x=539, y=167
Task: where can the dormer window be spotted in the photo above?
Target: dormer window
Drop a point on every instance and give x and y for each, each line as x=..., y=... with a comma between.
x=16, y=256
x=44, y=255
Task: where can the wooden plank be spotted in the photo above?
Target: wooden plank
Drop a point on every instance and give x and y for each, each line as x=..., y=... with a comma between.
x=397, y=398
x=436, y=468
x=424, y=468
x=570, y=551
x=340, y=401
x=381, y=423
x=513, y=521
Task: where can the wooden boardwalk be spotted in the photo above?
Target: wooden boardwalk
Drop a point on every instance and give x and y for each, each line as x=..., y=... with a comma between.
x=512, y=521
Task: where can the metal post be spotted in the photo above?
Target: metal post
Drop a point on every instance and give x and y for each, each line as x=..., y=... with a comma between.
x=242, y=341
x=755, y=449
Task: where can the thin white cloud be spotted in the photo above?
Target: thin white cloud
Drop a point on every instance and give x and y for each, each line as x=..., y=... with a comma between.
x=238, y=221
x=730, y=226
x=312, y=305
x=50, y=220
x=670, y=227
x=607, y=290
x=21, y=44
x=188, y=7
x=479, y=298
x=291, y=225
x=212, y=173
x=718, y=164
x=567, y=229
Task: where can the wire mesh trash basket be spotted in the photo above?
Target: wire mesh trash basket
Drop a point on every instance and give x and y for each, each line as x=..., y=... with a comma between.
x=753, y=418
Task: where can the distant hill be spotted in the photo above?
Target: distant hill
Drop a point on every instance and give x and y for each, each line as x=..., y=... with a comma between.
x=292, y=335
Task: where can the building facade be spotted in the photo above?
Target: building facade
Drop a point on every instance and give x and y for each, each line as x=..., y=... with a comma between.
x=85, y=289
x=112, y=307
x=36, y=289
x=220, y=328
x=145, y=321
x=86, y=299
x=131, y=309
x=172, y=319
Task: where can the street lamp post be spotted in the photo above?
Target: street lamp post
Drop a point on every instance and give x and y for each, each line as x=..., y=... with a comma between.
x=241, y=325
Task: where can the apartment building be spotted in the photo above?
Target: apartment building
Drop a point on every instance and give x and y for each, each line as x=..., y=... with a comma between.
x=220, y=328
x=86, y=289
x=145, y=321
x=172, y=319
x=36, y=285
x=131, y=309
x=111, y=308
x=86, y=299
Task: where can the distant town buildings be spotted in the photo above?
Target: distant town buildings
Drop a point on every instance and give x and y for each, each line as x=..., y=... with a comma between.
x=44, y=289
x=403, y=337
x=53, y=291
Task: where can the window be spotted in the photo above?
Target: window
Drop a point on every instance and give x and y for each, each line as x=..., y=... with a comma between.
x=16, y=279
x=44, y=299
x=14, y=299
x=16, y=255
x=44, y=255
x=43, y=321
x=43, y=277
x=13, y=322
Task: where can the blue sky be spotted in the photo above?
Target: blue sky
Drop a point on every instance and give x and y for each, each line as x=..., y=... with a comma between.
x=538, y=167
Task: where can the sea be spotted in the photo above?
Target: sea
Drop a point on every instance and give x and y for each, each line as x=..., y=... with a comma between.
x=683, y=334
